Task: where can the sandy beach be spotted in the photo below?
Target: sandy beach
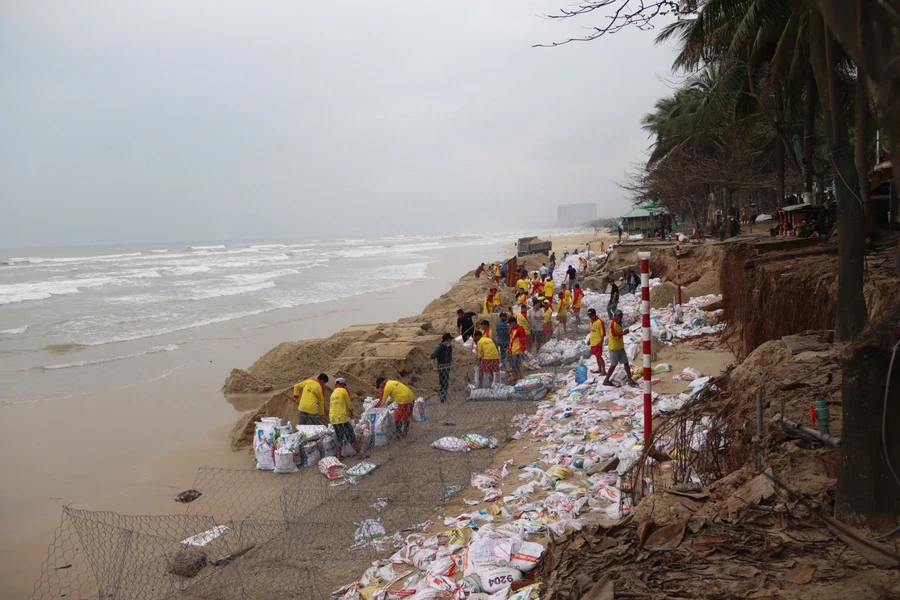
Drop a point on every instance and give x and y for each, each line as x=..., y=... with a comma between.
x=131, y=448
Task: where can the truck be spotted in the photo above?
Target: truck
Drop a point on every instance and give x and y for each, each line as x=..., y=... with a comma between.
x=533, y=245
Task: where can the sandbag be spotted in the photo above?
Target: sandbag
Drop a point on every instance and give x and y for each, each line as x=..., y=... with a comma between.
x=284, y=461
x=331, y=467
x=418, y=411
x=451, y=444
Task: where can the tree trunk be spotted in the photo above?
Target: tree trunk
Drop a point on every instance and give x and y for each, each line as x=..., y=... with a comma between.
x=861, y=146
x=869, y=32
x=867, y=495
x=779, y=172
x=851, y=303
x=809, y=131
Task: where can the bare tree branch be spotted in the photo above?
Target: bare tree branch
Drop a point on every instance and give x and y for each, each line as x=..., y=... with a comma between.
x=625, y=13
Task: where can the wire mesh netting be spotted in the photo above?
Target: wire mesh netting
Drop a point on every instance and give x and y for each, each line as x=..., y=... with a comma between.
x=259, y=534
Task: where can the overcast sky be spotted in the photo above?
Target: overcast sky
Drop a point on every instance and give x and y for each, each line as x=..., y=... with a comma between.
x=174, y=120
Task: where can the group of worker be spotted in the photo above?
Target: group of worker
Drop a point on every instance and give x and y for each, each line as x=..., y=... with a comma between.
x=312, y=407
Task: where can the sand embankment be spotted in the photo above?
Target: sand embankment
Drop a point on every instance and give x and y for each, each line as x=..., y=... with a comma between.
x=360, y=354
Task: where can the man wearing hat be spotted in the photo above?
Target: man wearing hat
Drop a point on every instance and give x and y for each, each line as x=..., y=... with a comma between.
x=616, y=345
x=340, y=413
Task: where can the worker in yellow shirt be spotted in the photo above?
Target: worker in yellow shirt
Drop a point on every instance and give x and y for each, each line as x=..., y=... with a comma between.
x=402, y=396
x=562, y=312
x=488, y=359
x=522, y=320
x=485, y=327
x=518, y=341
x=523, y=283
x=549, y=288
x=491, y=301
x=340, y=412
x=537, y=285
x=598, y=332
x=522, y=298
x=496, y=277
x=548, y=321
x=311, y=405
x=616, y=345
x=567, y=294
x=577, y=299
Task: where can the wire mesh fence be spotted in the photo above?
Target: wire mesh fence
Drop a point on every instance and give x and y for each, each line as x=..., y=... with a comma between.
x=259, y=534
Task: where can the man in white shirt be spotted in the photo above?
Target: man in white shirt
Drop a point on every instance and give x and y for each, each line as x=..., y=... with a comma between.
x=543, y=270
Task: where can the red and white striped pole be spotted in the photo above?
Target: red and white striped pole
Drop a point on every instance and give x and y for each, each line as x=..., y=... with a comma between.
x=645, y=323
x=678, y=270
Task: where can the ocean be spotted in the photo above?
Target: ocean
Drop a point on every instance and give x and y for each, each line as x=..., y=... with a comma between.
x=73, y=309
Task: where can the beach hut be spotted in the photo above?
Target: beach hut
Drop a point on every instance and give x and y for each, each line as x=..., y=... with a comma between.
x=647, y=217
x=791, y=217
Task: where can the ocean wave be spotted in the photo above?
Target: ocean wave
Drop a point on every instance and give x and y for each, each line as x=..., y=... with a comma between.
x=38, y=260
x=100, y=361
x=218, y=247
x=14, y=331
x=232, y=290
x=151, y=274
x=186, y=269
x=160, y=250
x=44, y=290
x=265, y=246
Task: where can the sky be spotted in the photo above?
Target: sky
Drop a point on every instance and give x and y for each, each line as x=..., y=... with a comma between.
x=166, y=120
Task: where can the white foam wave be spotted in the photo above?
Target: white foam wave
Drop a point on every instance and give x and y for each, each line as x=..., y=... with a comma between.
x=14, y=331
x=100, y=361
x=265, y=246
x=232, y=290
x=43, y=290
x=251, y=278
x=151, y=274
x=37, y=260
x=219, y=247
x=186, y=269
x=160, y=250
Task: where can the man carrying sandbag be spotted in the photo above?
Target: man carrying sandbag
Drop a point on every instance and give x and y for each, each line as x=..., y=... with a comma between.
x=311, y=406
x=340, y=413
x=402, y=396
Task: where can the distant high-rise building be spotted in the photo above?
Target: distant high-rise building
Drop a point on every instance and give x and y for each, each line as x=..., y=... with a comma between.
x=576, y=214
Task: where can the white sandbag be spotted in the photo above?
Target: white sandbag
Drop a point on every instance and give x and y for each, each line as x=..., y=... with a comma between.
x=382, y=421
x=494, y=579
x=369, y=529
x=418, y=411
x=265, y=456
x=309, y=454
x=284, y=461
x=690, y=374
x=451, y=444
x=479, y=442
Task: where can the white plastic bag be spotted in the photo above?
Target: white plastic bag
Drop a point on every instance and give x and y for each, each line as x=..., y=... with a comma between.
x=284, y=461
x=418, y=411
x=690, y=374
x=369, y=529
x=451, y=444
x=494, y=579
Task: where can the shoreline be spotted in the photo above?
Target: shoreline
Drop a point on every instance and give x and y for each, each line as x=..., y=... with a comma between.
x=132, y=449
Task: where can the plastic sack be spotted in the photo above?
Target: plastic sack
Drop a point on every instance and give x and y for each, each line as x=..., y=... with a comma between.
x=369, y=529
x=494, y=579
x=382, y=421
x=284, y=461
x=441, y=567
x=360, y=469
x=418, y=411
x=265, y=456
x=331, y=467
x=691, y=374
x=440, y=582
x=327, y=446
x=265, y=430
x=309, y=454
x=479, y=441
x=662, y=368
x=310, y=432
x=451, y=444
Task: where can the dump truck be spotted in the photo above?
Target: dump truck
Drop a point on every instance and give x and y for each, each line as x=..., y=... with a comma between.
x=533, y=245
